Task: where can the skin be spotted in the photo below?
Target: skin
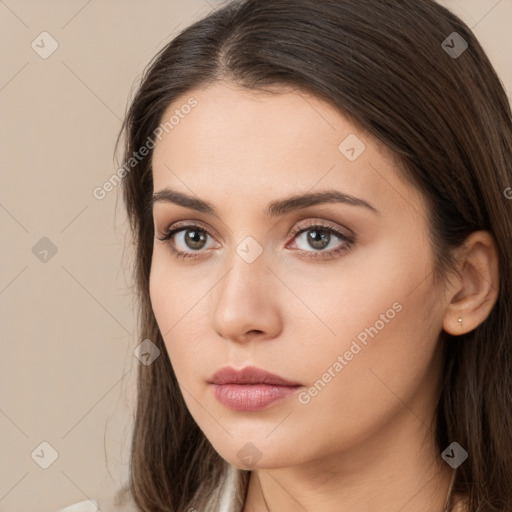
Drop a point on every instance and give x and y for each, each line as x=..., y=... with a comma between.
x=366, y=440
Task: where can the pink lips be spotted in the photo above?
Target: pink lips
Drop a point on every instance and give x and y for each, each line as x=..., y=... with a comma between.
x=250, y=388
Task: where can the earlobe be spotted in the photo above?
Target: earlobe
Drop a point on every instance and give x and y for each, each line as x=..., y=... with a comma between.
x=476, y=288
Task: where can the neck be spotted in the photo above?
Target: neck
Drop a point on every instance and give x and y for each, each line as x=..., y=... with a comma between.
x=391, y=472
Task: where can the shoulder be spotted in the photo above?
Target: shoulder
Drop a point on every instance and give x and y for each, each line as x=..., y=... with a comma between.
x=230, y=493
x=120, y=502
x=82, y=506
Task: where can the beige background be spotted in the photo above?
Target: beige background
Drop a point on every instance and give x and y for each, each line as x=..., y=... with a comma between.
x=67, y=364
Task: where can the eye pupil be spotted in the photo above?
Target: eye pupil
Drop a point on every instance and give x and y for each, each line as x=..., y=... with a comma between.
x=196, y=238
x=319, y=239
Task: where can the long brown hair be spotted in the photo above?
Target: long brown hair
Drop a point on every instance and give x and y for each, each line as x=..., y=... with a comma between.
x=397, y=69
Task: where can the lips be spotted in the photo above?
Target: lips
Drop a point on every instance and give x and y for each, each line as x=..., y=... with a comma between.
x=250, y=389
x=249, y=375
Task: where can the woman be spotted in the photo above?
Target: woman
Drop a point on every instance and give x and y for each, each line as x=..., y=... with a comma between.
x=319, y=193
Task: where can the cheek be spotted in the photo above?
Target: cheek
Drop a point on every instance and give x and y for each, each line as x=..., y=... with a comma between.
x=178, y=301
x=380, y=359
x=381, y=323
x=172, y=291
x=171, y=299
x=162, y=293
x=371, y=295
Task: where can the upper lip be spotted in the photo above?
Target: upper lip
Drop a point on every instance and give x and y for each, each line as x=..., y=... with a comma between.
x=248, y=375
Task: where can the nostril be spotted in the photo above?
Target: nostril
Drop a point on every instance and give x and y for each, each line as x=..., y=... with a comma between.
x=249, y=334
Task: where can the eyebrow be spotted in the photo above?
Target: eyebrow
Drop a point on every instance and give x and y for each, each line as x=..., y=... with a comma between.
x=275, y=208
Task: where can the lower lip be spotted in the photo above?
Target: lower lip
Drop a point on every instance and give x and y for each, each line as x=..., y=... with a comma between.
x=251, y=397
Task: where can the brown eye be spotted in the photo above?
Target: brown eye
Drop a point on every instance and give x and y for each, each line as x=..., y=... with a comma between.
x=318, y=238
x=318, y=241
x=184, y=241
x=194, y=239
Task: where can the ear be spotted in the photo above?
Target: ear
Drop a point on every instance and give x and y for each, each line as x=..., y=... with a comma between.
x=474, y=290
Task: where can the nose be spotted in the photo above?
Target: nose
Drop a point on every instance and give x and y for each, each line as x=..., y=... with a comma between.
x=247, y=302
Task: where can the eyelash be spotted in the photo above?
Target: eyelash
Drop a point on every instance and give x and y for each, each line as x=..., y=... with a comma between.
x=166, y=237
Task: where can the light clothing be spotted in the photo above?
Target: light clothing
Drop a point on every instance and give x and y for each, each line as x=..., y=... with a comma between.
x=82, y=506
x=227, y=494
x=230, y=501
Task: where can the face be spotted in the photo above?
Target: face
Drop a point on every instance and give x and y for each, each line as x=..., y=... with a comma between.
x=334, y=293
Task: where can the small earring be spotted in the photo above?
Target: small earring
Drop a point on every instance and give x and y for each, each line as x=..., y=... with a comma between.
x=459, y=320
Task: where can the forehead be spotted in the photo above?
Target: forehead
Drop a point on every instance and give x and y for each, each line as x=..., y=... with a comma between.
x=260, y=141
x=228, y=115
